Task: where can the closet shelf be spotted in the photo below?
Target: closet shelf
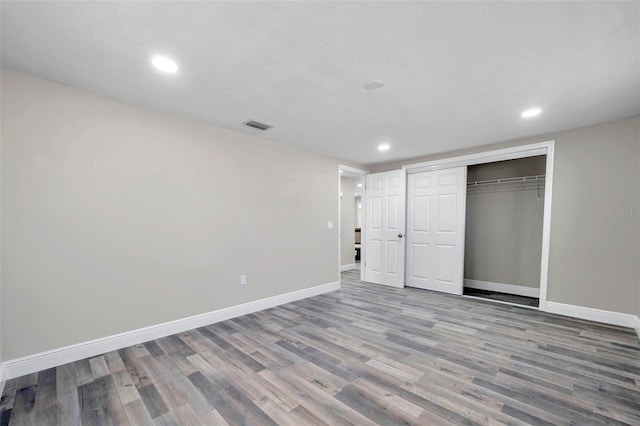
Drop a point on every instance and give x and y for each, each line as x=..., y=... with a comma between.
x=527, y=179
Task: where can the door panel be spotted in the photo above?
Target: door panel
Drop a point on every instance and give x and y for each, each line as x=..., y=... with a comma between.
x=420, y=221
x=445, y=263
x=385, y=199
x=393, y=212
x=376, y=211
x=447, y=179
x=375, y=253
x=447, y=206
x=392, y=257
x=419, y=260
x=436, y=205
x=422, y=182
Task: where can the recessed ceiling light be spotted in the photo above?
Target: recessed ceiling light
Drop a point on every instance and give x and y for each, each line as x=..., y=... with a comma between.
x=384, y=147
x=532, y=112
x=373, y=85
x=164, y=64
x=359, y=185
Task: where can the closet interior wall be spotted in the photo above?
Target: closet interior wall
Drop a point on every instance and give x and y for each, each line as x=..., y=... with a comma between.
x=503, y=236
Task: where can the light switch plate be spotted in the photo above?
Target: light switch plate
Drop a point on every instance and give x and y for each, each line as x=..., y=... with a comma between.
x=330, y=224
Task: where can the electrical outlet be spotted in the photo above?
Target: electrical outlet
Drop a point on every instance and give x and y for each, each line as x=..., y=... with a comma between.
x=243, y=280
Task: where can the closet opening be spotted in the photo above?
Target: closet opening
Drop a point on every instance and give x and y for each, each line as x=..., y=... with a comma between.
x=504, y=229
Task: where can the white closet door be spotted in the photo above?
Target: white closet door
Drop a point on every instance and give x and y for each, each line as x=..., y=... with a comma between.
x=385, y=221
x=435, y=229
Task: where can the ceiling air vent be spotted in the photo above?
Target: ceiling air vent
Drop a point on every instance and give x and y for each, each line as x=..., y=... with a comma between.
x=257, y=125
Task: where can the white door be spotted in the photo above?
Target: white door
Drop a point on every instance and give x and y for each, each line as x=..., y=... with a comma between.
x=435, y=229
x=384, y=232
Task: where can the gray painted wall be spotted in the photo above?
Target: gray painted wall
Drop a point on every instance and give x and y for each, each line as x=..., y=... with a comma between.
x=116, y=217
x=593, y=256
x=503, y=235
x=1, y=358
x=347, y=222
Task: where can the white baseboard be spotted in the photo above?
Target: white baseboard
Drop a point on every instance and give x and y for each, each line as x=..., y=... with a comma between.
x=2, y=379
x=348, y=267
x=53, y=358
x=598, y=315
x=503, y=288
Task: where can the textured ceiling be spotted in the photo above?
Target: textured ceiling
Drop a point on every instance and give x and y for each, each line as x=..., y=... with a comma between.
x=456, y=74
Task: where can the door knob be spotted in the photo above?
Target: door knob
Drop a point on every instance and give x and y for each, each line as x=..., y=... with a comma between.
x=399, y=235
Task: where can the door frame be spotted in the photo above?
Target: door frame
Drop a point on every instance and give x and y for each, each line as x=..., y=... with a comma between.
x=348, y=171
x=511, y=153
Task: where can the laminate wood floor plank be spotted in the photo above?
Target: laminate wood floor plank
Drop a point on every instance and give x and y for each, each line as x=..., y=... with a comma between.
x=153, y=401
x=137, y=413
x=84, y=375
x=114, y=362
x=23, y=405
x=168, y=419
x=99, y=403
x=125, y=387
x=365, y=354
x=164, y=387
x=133, y=366
x=67, y=396
x=321, y=403
x=180, y=385
x=46, y=406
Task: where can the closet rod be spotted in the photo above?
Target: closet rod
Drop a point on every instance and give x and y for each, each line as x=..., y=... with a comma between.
x=507, y=180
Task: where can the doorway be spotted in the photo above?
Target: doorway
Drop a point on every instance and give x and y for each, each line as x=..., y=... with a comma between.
x=391, y=251
x=350, y=219
x=503, y=230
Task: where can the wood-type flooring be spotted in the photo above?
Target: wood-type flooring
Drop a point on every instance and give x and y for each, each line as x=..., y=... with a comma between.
x=363, y=355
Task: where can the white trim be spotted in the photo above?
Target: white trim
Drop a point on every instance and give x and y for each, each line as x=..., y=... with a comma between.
x=503, y=288
x=591, y=314
x=546, y=226
x=484, y=299
x=41, y=361
x=352, y=170
x=520, y=151
x=2, y=378
x=462, y=238
x=339, y=219
x=349, y=267
x=363, y=228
